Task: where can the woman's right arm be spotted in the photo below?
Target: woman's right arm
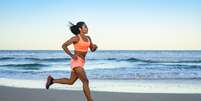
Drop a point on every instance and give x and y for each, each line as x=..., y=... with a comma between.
x=93, y=47
x=67, y=43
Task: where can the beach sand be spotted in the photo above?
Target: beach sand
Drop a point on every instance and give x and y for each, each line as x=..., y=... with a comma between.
x=25, y=94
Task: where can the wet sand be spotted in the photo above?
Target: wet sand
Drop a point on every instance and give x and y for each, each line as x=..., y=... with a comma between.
x=25, y=94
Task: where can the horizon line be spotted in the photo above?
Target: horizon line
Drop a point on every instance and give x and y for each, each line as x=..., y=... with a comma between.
x=104, y=50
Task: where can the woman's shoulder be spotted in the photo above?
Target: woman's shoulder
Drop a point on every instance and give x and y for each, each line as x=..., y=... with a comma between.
x=74, y=39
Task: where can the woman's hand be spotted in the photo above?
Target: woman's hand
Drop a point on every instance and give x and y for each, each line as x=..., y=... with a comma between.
x=74, y=57
x=94, y=47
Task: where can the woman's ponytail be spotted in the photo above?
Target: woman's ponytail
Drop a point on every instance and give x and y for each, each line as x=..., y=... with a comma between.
x=75, y=28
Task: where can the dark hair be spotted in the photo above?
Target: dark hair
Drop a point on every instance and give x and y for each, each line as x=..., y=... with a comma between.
x=75, y=28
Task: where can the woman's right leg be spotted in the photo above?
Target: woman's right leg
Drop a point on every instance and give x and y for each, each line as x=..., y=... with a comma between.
x=83, y=77
x=68, y=81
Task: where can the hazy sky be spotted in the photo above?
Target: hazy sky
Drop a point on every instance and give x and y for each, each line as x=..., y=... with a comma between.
x=113, y=24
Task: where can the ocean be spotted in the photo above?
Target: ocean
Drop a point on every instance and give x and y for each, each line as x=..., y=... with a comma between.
x=108, y=70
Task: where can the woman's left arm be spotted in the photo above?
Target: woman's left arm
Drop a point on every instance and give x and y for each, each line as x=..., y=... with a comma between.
x=93, y=47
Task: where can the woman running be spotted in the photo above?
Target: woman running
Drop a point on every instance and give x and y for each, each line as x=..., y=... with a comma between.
x=81, y=44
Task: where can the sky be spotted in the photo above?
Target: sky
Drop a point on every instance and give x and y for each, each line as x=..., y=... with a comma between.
x=113, y=24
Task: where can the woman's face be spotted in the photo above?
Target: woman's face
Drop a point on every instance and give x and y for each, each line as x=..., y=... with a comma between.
x=84, y=29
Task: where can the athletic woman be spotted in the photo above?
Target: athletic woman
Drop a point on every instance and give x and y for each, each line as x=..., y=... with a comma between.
x=81, y=44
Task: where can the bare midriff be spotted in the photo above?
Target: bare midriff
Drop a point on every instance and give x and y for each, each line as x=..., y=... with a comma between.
x=80, y=54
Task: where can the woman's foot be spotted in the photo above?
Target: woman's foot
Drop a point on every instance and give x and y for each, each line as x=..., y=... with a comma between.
x=49, y=81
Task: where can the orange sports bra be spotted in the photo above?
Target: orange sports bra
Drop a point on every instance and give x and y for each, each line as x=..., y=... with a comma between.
x=82, y=45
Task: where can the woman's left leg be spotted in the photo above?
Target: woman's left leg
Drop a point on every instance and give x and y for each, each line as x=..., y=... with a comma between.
x=68, y=81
